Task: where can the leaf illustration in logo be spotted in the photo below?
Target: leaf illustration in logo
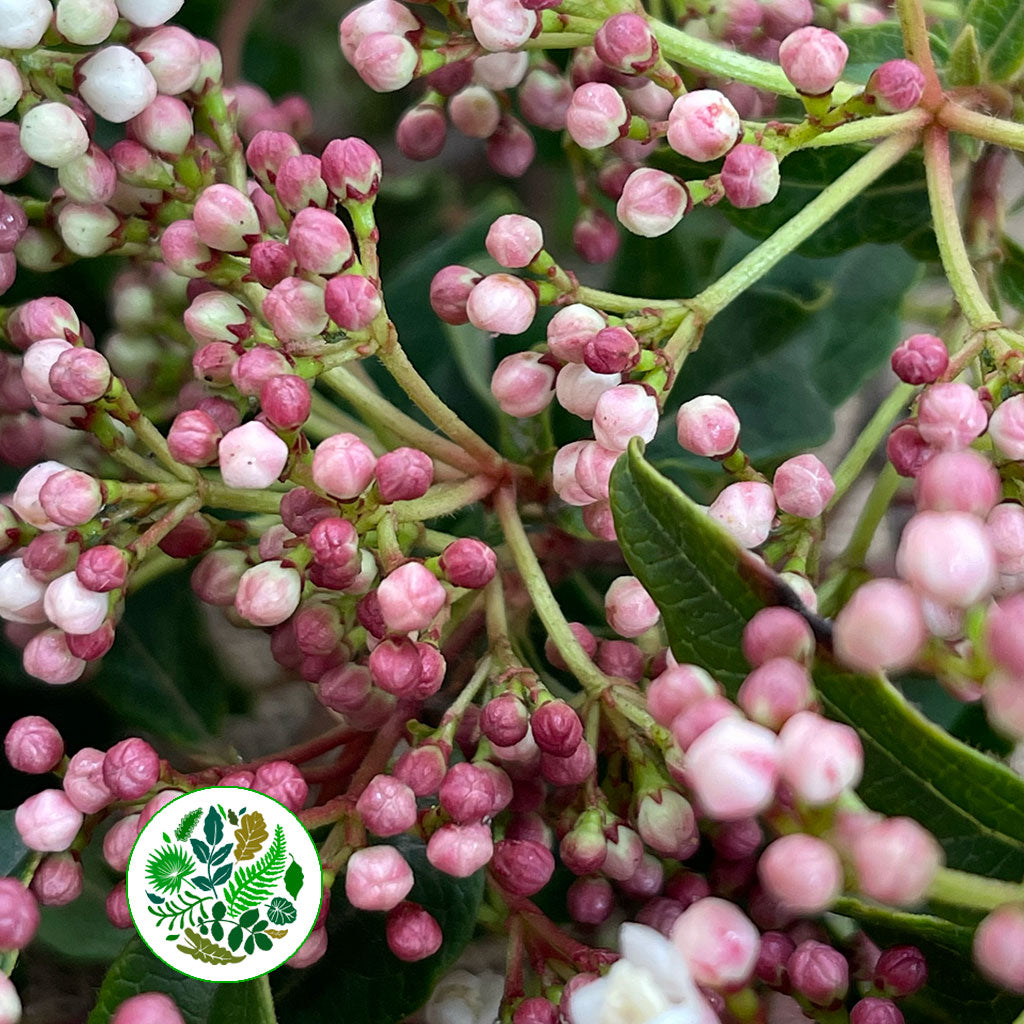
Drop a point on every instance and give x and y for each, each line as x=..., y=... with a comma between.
x=187, y=825
x=220, y=855
x=232, y=817
x=281, y=911
x=293, y=878
x=253, y=884
x=207, y=950
x=201, y=850
x=167, y=868
x=277, y=933
x=213, y=826
x=262, y=941
x=251, y=835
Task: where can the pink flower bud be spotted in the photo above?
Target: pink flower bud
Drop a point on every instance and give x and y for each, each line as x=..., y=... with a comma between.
x=707, y=425
x=802, y=873
x=595, y=236
x=155, y=803
x=351, y=168
x=396, y=667
x=948, y=556
x=568, y=771
x=922, y=358
x=958, y=482
x=468, y=792
x=312, y=950
x=893, y=87
x=652, y=202
x=83, y=781
x=449, y=293
x=410, y=597
x=504, y=720
x=353, y=302
x=703, y=125
x=116, y=907
x=173, y=58
x=39, y=359
x=79, y=375
x=19, y=915
x=521, y=866
x=880, y=628
x=267, y=151
x=282, y=781
x=225, y=218
x=285, y=400
x=72, y=607
x=1006, y=427
x=48, y=821
x=333, y=542
x=999, y=947
x=70, y=497
x=33, y=745
x=475, y=112
x=47, y=656
x=376, y=16
x=718, y=942
x=871, y=1010
x=502, y=24
x=500, y=70
x=775, y=691
x=1005, y=528
x=698, y=717
x=412, y=933
x=629, y=608
x=803, y=486
x=676, y=689
x=625, y=42
x=420, y=132
x=386, y=63
x=523, y=384
x=501, y=304
x=901, y=971
x=950, y=416
x=597, y=116
x=319, y=241
x=268, y=593
x=819, y=972
x=183, y=250
x=251, y=456
x=271, y=262
x=750, y=176
x=777, y=632
x=612, y=350
x=733, y=768
x=148, y=1008
x=57, y=881
x=813, y=59
x=746, y=510
x=130, y=769
x=21, y=595
x=49, y=555
x=557, y=728
x=256, y=367
x=514, y=241
x=460, y=850
x=818, y=758
x=624, y=412
x=666, y=823
x=387, y=806
x=165, y=126
x=468, y=562
x=590, y=900
x=621, y=658
x=896, y=861
x=194, y=438
x=118, y=842
x=578, y=390
x=343, y=466
x=422, y=769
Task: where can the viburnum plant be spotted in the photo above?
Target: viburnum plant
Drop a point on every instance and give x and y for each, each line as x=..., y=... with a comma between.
x=586, y=666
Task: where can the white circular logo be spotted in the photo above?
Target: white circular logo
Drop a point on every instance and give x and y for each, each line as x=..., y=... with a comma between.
x=224, y=884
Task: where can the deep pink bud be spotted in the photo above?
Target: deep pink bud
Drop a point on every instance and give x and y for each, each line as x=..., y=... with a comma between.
x=468, y=792
x=612, y=350
x=267, y=151
x=271, y=262
x=286, y=401
x=344, y=688
x=621, y=658
x=460, y=850
x=48, y=821
x=501, y=304
x=595, y=236
x=80, y=375
x=901, y=971
x=625, y=42
x=590, y=900
x=922, y=358
x=813, y=59
x=422, y=769
x=343, y=466
x=718, y=942
x=777, y=632
x=283, y=781
x=19, y=915
x=193, y=438
x=504, y=720
x=449, y=292
x=420, y=132
x=319, y=242
x=895, y=86
x=403, y=474
x=557, y=728
x=183, y=249
x=387, y=806
x=468, y=562
x=819, y=972
x=776, y=949
x=880, y=628
x=571, y=770
x=102, y=568
x=33, y=745
x=118, y=842
x=522, y=867
x=58, y=880
x=351, y=168
x=544, y=98
x=412, y=933
x=148, y=1008
x=652, y=202
x=352, y=301
x=750, y=176
x=803, y=486
x=131, y=769
x=871, y=1010
x=395, y=666
x=334, y=542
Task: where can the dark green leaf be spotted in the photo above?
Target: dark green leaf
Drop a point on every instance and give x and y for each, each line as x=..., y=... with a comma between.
x=1010, y=275
x=221, y=875
x=871, y=45
x=162, y=675
x=201, y=883
x=235, y=937
x=367, y=980
x=263, y=941
x=1000, y=28
x=153, y=898
x=217, y=931
x=221, y=854
x=281, y=911
x=201, y=850
x=213, y=827
x=247, y=919
x=137, y=970
x=707, y=589
x=250, y=944
x=293, y=879
x=12, y=850
x=218, y=910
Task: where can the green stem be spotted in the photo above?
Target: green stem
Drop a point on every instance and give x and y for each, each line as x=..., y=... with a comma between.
x=992, y=129
x=817, y=212
x=590, y=676
x=918, y=48
x=239, y=499
x=887, y=483
x=966, y=890
x=613, y=303
x=870, y=437
x=868, y=128
x=955, y=261
x=441, y=500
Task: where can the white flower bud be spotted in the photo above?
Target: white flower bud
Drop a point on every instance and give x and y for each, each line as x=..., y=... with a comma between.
x=86, y=22
x=149, y=13
x=10, y=86
x=52, y=134
x=116, y=84
x=23, y=22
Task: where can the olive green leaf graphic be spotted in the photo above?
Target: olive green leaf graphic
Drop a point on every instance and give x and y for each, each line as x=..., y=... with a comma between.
x=188, y=824
x=277, y=933
x=281, y=911
x=293, y=879
x=253, y=884
x=208, y=951
x=251, y=835
x=168, y=868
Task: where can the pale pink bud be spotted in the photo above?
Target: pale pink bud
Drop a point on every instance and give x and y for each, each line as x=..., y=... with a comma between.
x=895, y=86
x=410, y=597
x=1006, y=427
x=563, y=475
x=1005, y=528
x=777, y=632
x=958, y=482
x=343, y=466
x=48, y=821
x=267, y=151
x=950, y=416
x=624, y=412
x=386, y=63
x=746, y=509
x=131, y=769
x=775, y=691
x=652, y=202
x=922, y=358
x=353, y=302
x=676, y=689
x=295, y=310
x=319, y=241
x=150, y=1007
x=750, y=176
x=449, y=293
x=387, y=806
x=193, y=438
x=118, y=842
x=1003, y=698
x=629, y=608
x=625, y=42
x=79, y=375
x=718, y=942
x=39, y=360
x=514, y=241
x=578, y=389
x=251, y=455
x=70, y=497
x=52, y=134
x=225, y=218
x=880, y=628
x=422, y=769
x=593, y=469
x=475, y=112
x=57, y=881
x=502, y=24
x=268, y=593
x=22, y=24
x=19, y=915
x=183, y=250
x=500, y=70
x=33, y=745
x=732, y=768
x=165, y=127
x=148, y=14
x=72, y=607
x=523, y=385
x=707, y=425
x=21, y=594
x=819, y=759
x=312, y=950
x=699, y=716
x=948, y=556
x=501, y=304
x=351, y=167
x=83, y=781
x=412, y=933
x=813, y=59
x=376, y=16
x=624, y=850
x=88, y=230
x=666, y=823
x=282, y=781
x=803, y=486
x=780, y=17
x=802, y=873
x=703, y=125
x=173, y=58
x=460, y=850
x=999, y=947
x=896, y=861
x=155, y=803
x=818, y=972
x=597, y=116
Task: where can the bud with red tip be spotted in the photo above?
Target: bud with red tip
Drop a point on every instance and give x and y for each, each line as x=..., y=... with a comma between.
x=625, y=42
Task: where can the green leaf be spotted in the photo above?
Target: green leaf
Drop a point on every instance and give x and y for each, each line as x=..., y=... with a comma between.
x=12, y=850
x=965, y=59
x=365, y=977
x=281, y=911
x=187, y=825
x=793, y=348
x=137, y=970
x=871, y=45
x=213, y=827
x=293, y=879
x=162, y=675
x=708, y=588
x=1000, y=28
x=253, y=884
x=1010, y=275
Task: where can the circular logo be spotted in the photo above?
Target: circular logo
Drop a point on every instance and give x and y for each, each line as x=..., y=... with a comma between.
x=224, y=884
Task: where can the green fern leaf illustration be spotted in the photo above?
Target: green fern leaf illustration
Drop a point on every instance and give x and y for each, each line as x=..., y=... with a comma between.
x=168, y=868
x=253, y=884
x=188, y=824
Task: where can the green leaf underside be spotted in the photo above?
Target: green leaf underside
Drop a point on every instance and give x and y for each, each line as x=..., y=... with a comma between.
x=360, y=974
x=707, y=588
x=871, y=45
x=253, y=884
x=12, y=850
x=1000, y=28
x=137, y=970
